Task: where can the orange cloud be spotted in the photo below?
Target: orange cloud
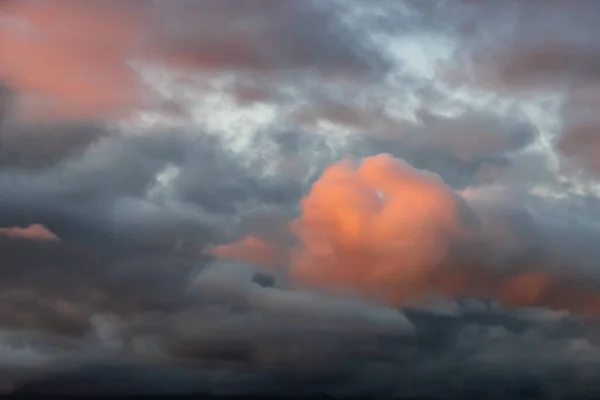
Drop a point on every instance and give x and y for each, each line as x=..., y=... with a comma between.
x=396, y=234
x=381, y=228
x=68, y=57
x=391, y=233
x=35, y=231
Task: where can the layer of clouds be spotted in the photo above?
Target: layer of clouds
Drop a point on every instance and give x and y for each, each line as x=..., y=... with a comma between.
x=129, y=278
x=280, y=342
x=236, y=336
x=299, y=198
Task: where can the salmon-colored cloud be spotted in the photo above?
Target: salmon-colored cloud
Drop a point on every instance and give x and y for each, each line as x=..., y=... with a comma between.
x=68, y=57
x=523, y=288
x=386, y=231
x=35, y=231
x=73, y=57
x=381, y=228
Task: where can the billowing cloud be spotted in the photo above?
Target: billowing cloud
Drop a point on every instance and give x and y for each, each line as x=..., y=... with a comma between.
x=383, y=225
x=129, y=280
x=388, y=232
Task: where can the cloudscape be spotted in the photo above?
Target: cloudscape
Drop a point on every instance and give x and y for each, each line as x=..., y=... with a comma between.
x=373, y=198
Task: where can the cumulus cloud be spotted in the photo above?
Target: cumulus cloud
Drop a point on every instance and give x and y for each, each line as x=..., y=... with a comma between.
x=163, y=312
x=28, y=145
x=398, y=235
x=136, y=283
x=383, y=225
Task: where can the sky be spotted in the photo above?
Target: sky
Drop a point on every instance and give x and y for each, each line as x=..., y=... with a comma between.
x=383, y=198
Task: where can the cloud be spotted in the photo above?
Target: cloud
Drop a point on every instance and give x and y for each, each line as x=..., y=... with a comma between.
x=93, y=73
x=578, y=143
x=250, y=249
x=554, y=51
x=115, y=188
x=479, y=350
x=467, y=148
x=383, y=226
x=81, y=74
x=119, y=280
x=262, y=35
x=158, y=318
x=230, y=282
x=388, y=232
x=550, y=64
x=35, y=231
x=41, y=145
x=555, y=55
x=228, y=223
x=472, y=136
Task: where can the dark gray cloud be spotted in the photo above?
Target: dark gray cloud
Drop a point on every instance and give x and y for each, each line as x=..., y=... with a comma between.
x=528, y=48
x=471, y=349
x=578, y=140
x=526, y=45
x=134, y=212
x=38, y=145
x=458, y=148
x=137, y=186
x=262, y=35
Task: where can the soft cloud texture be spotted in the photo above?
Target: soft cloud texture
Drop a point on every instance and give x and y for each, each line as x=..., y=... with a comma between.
x=383, y=225
x=93, y=71
x=303, y=198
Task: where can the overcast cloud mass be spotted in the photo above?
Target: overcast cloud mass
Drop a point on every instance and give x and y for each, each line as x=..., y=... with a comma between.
x=383, y=198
